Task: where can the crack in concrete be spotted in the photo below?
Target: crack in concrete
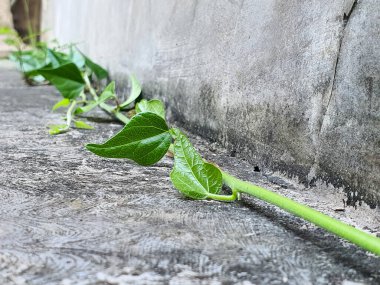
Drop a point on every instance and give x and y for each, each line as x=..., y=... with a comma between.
x=349, y=8
x=346, y=17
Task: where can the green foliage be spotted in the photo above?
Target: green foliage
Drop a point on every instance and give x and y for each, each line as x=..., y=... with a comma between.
x=67, y=78
x=99, y=71
x=77, y=57
x=29, y=60
x=55, y=58
x=58, y=129
x=191, y=175
x=153, y=106
x=135, y=92
x=83, y=125
x=63, y=103
x=145, y=139
x=58, y=58
x=107, y=93
x=7, y=31
x=72, y=73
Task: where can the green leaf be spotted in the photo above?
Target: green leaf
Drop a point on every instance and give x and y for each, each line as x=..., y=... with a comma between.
x=145, y=139
x=107, y=93
x=154, y=106
x=191, y=175
x=76, y=57
x=29, y=61
x=56, y=58
x=38, y=79
x=99, y=71
x=66, y=78
x=63, y=103
x=83, y=125
x=135, y=91
x=7, y=31
x=58, y=129
x=12, y=41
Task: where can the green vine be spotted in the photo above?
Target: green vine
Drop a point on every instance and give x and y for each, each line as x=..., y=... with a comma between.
x=75, y=76
x=146, y=137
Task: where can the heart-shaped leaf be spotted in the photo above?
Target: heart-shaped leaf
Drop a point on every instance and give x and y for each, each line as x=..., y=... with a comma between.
x=191, y=175
x=154, y=106
x=67, y=78
x=145, y=139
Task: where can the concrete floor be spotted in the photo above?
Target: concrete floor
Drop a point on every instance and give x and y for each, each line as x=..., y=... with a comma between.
x=70, y=217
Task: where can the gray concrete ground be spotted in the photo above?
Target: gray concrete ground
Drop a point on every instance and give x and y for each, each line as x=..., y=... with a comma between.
x=70, y=217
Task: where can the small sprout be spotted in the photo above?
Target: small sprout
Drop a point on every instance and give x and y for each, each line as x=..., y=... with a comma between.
x=63, y=103
x=58, y=129
x=82, y=125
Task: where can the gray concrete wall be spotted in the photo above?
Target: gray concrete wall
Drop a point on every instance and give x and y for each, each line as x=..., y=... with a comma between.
x=5, y=14
x=293, y=86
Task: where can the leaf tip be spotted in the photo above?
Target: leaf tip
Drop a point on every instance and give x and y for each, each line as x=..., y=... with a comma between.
x=91, y=147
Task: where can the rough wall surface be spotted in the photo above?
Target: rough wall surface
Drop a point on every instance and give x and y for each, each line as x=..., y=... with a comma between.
x=291, y=85
x=5, y=14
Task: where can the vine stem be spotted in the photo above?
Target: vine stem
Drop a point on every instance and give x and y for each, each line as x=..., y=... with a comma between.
x=69, y=114
x=109, y=109
x=358, y=237
x=224, y=198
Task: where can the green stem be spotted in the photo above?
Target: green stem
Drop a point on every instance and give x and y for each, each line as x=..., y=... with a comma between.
x=109, y=109
x=89, y=86
x=224, y=198
x=69, y=114
x=358, y=237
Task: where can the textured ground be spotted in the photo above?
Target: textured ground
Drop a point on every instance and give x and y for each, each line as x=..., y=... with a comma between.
x=69, y=217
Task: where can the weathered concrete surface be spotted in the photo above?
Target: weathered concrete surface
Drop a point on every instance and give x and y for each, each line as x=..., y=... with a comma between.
x=291, y=85
x=69, y=217
x=5, y=14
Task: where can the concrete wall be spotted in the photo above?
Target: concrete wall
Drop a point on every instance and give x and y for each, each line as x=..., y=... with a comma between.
x=5, y=21
x=292, y=85
x=5, y=14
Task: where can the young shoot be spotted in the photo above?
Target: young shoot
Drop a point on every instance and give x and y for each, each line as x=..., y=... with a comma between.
x=147, y=138
x=75, y=76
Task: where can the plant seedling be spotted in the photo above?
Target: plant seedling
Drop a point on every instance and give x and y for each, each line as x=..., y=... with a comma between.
x=74, y=75
x=146, y=139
